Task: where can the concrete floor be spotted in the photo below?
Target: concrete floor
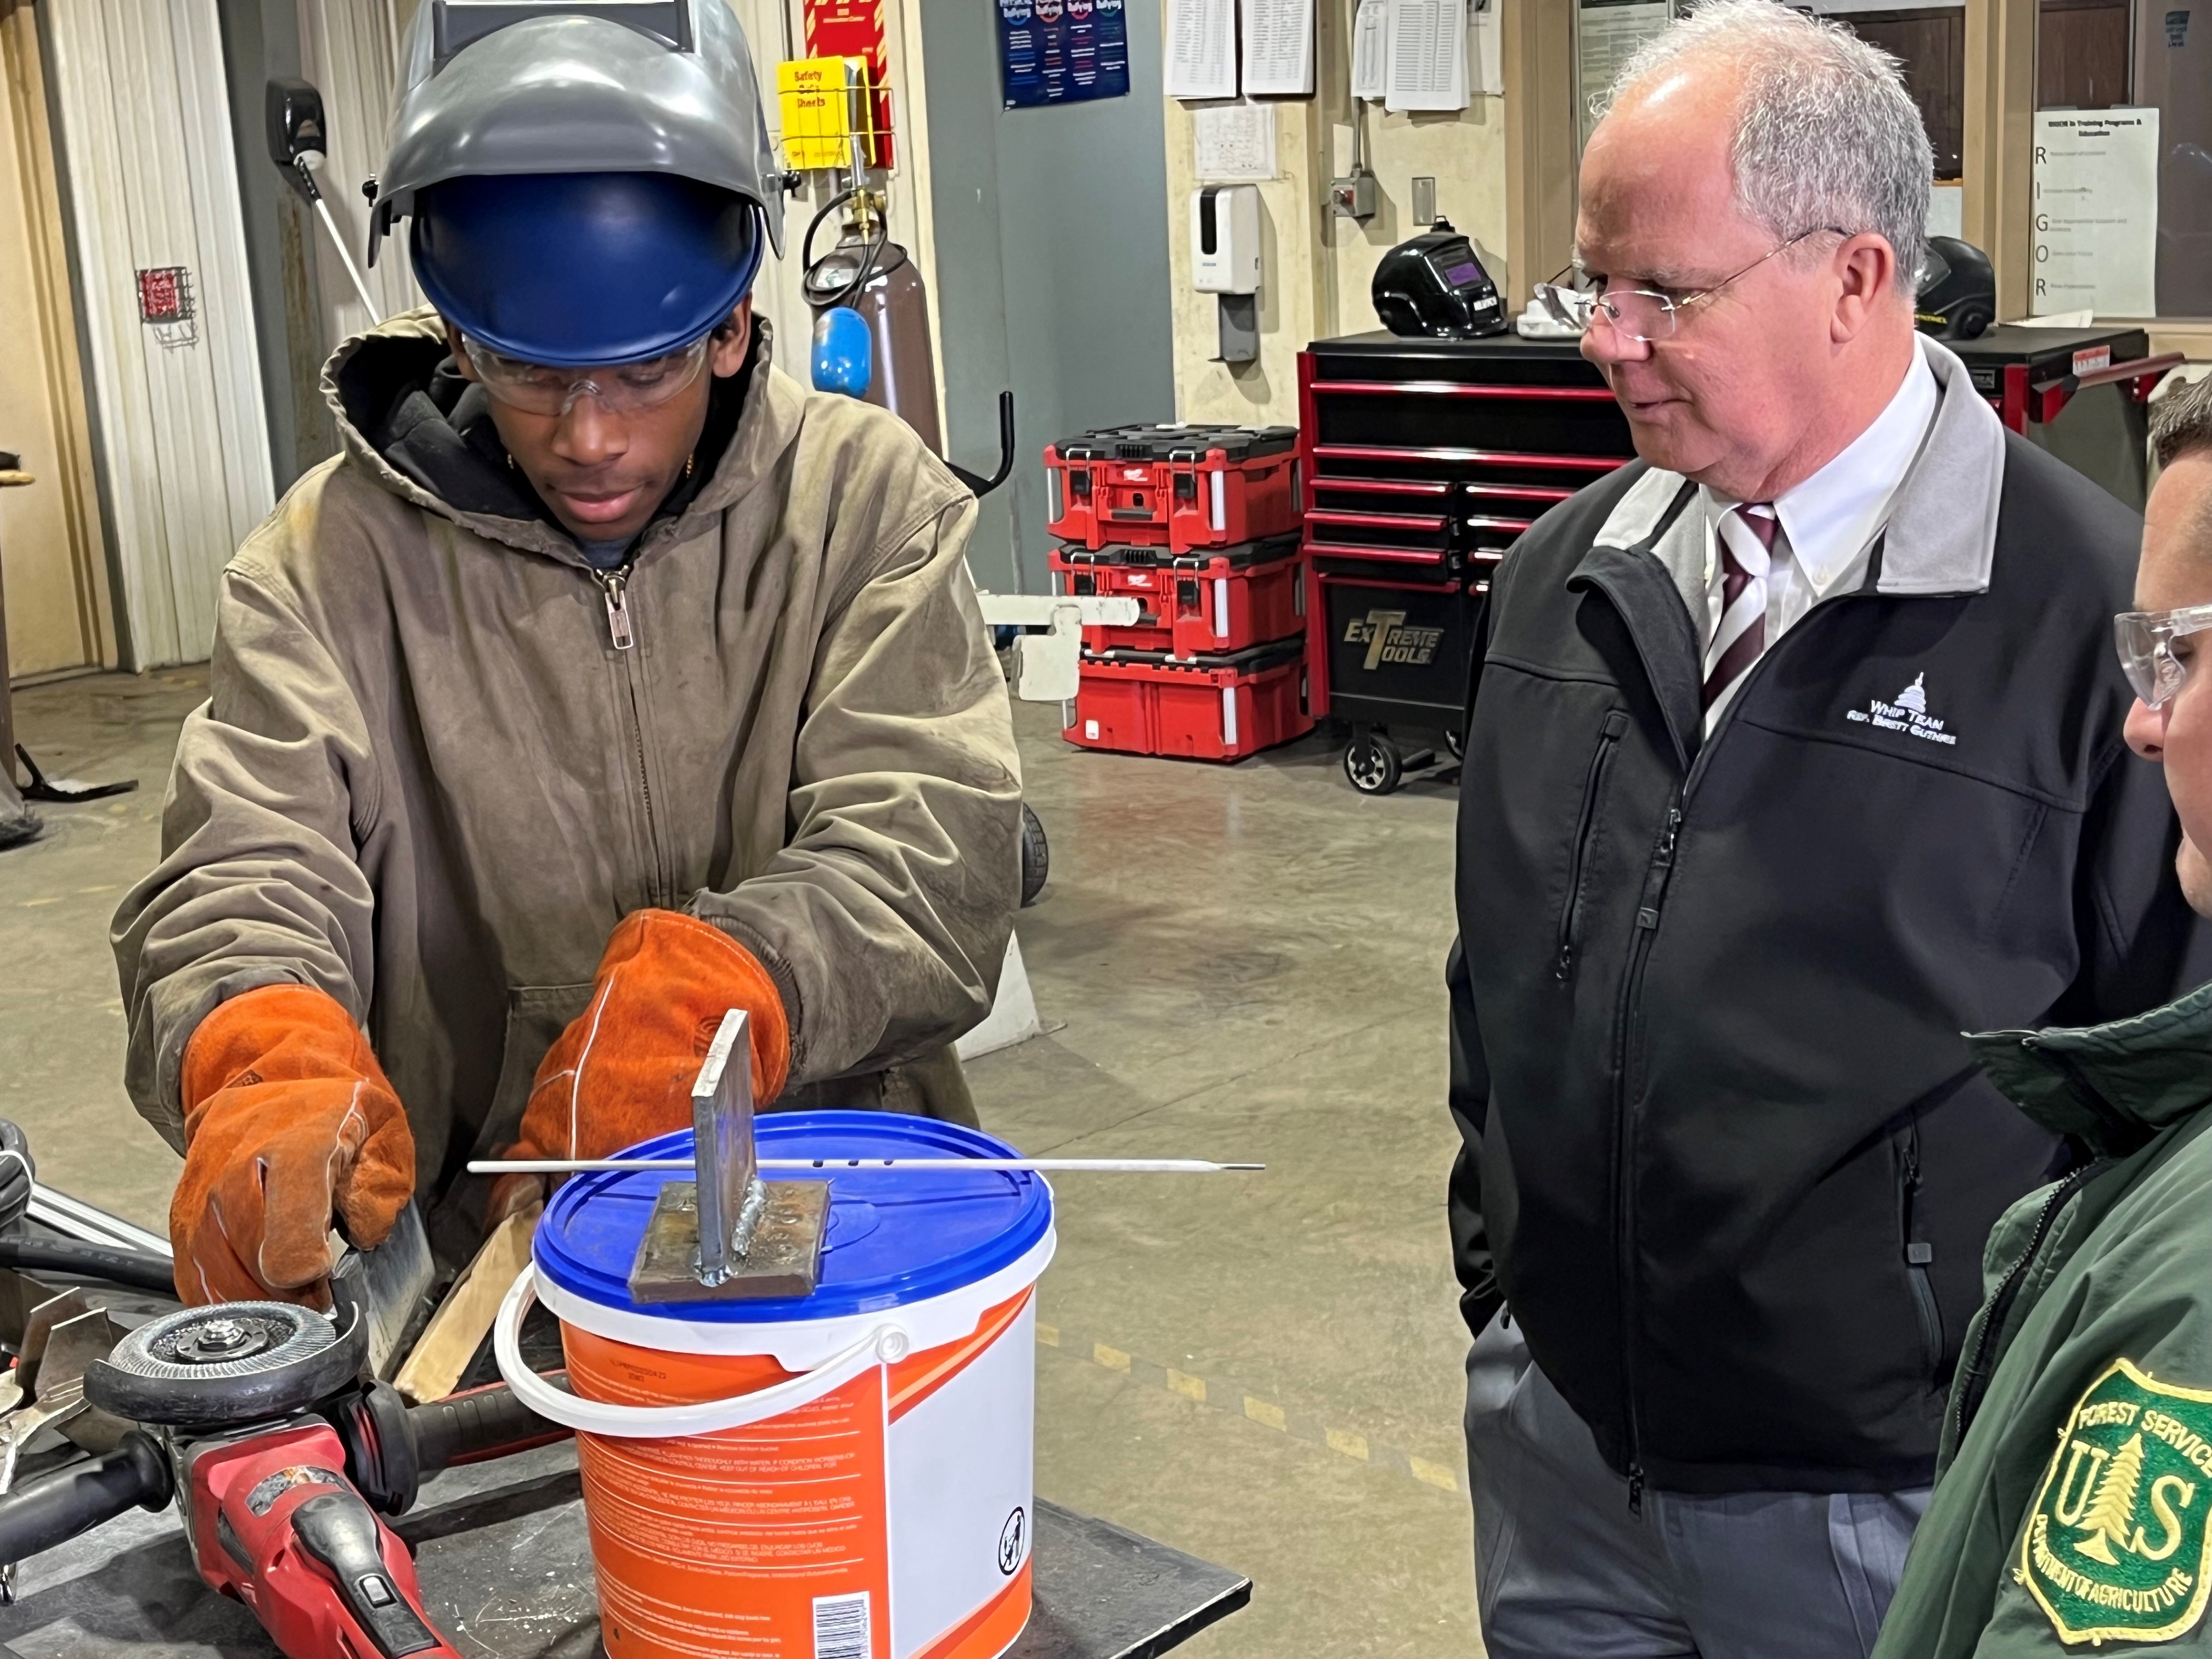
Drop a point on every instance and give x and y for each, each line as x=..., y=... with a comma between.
x=1263, y=1370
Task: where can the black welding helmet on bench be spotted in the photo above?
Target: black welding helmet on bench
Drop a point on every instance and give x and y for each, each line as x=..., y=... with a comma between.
x=1434, y=286
x=1958, y=296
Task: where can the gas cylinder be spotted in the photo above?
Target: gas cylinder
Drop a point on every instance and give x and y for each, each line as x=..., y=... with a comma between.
x=895, y=301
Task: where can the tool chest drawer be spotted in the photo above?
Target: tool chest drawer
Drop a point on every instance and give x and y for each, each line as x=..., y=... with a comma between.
x=1424, y=462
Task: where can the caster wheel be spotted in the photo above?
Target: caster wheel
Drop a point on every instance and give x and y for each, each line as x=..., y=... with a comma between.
x=1372, y=764
x=1036, y=856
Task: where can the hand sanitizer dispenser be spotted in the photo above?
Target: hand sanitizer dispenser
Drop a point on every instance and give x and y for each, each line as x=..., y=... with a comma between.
x=1225, y=261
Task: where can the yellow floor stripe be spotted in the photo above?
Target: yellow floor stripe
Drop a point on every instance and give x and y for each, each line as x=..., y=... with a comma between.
x=1220, y=1396
x=1260, y=1411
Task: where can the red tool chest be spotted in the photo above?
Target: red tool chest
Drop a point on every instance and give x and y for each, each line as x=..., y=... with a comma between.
x=1196, y=603
x=1218, y=708
x=1425, y=460
x=1183, y=486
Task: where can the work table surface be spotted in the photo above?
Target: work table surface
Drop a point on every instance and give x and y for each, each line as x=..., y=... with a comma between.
x=506, y=1571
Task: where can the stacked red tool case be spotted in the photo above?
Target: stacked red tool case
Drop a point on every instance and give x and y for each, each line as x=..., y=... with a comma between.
x=1201, y=524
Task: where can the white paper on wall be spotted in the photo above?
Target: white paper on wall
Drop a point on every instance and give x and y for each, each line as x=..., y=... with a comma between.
x=1369, y=59
x=2096, y=212
x=1233, y=143
x=1946, y=210
x=1606, y=34
x=1201, y=49
x=1278, y=48
x=1486, y=55
x=1426, y=49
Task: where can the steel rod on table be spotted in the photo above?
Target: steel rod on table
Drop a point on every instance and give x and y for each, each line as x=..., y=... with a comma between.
x=1047, y=1165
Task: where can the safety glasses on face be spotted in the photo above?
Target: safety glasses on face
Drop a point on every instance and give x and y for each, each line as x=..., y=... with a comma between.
x=2146, y=640
x=620, y=388
x=1646, y=315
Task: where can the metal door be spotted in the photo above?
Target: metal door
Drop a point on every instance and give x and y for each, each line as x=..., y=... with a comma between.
x=1052, y=267
x=159, y=256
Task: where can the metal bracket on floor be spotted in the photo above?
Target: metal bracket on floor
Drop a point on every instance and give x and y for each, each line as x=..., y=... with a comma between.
x=41, y=787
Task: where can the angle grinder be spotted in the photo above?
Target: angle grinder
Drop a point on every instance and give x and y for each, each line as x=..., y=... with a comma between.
x=253, y=1416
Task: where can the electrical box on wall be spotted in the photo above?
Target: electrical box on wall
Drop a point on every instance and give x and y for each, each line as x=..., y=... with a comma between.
x=1224, y=238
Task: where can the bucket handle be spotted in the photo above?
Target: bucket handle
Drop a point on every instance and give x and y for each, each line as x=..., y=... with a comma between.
x=880, y=1346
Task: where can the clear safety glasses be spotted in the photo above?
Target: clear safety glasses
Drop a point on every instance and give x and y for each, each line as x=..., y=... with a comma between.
x=620, y=388
x=2146, y=640
x=1646, y=315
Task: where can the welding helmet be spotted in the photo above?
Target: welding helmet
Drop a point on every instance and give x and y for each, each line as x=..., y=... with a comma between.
x=1957, y=297
x=583, y=191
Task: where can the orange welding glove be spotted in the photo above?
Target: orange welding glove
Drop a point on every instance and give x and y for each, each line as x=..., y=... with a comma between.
x=289, y=1119
x=623, y=1071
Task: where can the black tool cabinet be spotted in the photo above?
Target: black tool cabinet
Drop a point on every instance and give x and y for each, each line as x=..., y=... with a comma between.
x=1422, y=461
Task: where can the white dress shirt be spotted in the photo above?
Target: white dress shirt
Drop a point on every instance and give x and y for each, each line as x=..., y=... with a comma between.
x=1829, y=521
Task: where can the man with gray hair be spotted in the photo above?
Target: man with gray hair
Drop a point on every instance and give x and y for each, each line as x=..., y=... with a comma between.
x=1797, y=751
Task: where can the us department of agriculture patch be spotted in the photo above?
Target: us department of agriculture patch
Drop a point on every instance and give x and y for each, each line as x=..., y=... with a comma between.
x=2117, y=1547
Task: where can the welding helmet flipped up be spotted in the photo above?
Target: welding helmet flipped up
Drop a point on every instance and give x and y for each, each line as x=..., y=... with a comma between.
x=583, y=192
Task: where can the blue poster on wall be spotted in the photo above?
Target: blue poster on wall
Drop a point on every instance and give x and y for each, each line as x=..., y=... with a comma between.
x=1062, y=52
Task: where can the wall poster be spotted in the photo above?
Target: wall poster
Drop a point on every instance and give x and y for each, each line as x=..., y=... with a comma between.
x=1062, y=52
x=2096, y=212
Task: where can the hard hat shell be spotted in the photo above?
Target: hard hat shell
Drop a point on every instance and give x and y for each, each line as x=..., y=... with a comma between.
x=551, y=89
x=573, y=269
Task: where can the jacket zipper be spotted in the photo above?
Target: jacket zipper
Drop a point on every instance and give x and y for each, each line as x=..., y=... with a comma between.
x=1919, y=1255
x=1571, y=914
x=1973, y=1378
x=1649, y=905
x=614, y=584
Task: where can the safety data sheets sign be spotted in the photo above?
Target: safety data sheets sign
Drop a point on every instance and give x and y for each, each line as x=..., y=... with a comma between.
x=1062, y=52
x=2096, y=212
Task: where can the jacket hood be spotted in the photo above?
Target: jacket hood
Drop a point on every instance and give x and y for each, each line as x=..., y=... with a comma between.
x=408, y=418
x=2113, y=1086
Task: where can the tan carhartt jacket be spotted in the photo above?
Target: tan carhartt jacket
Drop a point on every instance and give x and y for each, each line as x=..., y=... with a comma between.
x=428, y=782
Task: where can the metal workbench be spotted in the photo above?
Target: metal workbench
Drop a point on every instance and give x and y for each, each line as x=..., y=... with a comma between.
x=506, y=1570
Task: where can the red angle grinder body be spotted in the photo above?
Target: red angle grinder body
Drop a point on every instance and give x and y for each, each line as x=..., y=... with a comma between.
x=276, y=1522
x=257, y=1416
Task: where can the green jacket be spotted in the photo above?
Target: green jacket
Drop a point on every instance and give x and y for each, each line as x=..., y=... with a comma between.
x=2072, y=1503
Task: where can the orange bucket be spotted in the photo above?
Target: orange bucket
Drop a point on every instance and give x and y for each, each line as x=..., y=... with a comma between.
x=842, y=1476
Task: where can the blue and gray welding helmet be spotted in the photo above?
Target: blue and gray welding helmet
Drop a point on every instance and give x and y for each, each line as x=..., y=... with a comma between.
x=583, y=191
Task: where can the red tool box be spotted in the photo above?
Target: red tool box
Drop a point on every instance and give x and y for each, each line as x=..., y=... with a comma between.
x=1194, y=604
x=1184, y=487
x=1218, y=708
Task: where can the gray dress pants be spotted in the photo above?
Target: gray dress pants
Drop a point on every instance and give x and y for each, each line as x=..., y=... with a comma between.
x=1565, y=1571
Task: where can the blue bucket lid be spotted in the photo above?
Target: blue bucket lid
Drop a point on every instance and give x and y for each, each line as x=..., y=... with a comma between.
x=895, y=1237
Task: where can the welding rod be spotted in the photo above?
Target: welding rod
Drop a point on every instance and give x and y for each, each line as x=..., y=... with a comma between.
x=1073, y=1166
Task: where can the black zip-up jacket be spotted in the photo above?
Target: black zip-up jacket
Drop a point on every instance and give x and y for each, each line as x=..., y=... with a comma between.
x=1728, y=1159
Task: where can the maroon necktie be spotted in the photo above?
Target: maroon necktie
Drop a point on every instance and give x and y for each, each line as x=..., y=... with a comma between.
x=1742, y=634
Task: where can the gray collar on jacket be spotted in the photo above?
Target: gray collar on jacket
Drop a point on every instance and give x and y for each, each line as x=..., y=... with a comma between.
x=1942, y=533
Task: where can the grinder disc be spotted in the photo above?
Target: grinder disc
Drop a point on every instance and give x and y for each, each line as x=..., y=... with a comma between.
x=237, y=1362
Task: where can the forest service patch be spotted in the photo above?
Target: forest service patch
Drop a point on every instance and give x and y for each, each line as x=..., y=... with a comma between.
x=2117, y=1547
